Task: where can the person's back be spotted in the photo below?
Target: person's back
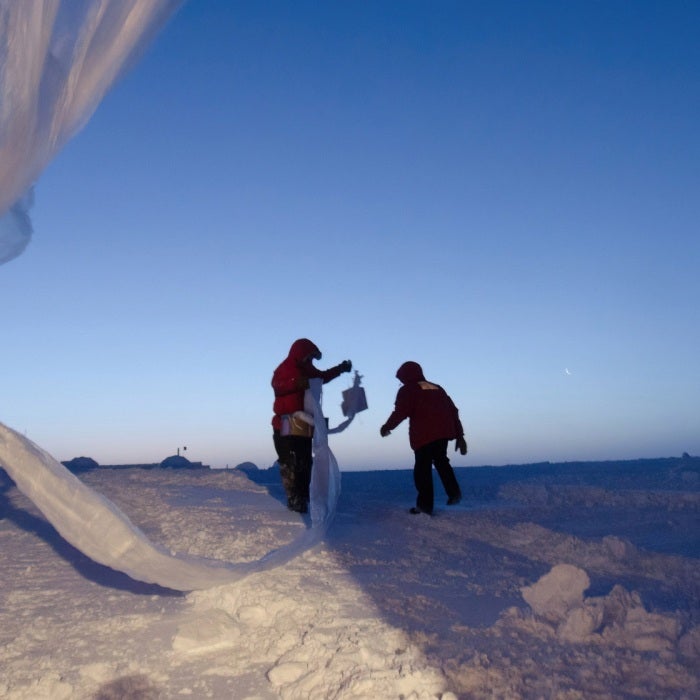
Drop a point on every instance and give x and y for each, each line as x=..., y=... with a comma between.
x=432, y=414
x=433, y=420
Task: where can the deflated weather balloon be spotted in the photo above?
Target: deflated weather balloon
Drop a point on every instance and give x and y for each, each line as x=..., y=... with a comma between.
x=58, y=58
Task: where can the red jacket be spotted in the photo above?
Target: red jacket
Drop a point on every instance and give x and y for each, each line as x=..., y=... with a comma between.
x=430, y=411
x=291, y=378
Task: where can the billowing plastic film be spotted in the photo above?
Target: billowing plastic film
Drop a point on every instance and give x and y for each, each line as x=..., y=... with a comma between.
x=58, y=58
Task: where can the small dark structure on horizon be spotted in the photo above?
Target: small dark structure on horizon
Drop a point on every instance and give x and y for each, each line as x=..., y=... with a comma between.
x=79, y=465
x=180, y=462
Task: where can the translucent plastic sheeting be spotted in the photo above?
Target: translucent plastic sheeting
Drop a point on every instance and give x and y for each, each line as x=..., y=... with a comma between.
x=58, y=58
x=101, y=531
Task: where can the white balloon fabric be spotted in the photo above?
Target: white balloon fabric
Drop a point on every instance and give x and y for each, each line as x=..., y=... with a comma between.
x=15, y=228
x=58, y=58
x=100, y=530
x=324, y=489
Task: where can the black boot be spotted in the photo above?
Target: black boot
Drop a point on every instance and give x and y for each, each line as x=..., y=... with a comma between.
x=298, y=505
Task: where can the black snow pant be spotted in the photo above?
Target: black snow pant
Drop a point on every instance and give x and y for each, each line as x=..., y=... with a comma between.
x=433, y=453
x=295, y=459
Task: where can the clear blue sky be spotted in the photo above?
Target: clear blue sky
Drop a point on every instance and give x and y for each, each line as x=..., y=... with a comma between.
x=505, y=192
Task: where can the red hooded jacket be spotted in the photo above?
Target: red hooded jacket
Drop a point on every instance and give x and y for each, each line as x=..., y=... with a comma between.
x=430, y=411
x=291, y=378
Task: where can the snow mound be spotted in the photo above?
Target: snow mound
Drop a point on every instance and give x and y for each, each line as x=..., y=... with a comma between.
x=618, y=618
x=557, y=592
x=310, y=644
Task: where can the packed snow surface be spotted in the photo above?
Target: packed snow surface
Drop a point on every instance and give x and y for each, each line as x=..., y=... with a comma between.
x=547, y=581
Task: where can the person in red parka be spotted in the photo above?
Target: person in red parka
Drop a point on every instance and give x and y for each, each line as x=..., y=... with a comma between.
x=292, y=429
x=433, y=420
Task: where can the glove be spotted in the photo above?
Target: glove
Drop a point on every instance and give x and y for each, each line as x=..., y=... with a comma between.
x=384, y=431
x=461, y=445
x=345, y=366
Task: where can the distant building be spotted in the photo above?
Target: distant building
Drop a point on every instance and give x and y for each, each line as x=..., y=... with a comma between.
x=80, y=464
x=180, y=462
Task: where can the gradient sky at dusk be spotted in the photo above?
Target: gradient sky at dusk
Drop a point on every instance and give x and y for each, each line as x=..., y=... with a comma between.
x=505, y=192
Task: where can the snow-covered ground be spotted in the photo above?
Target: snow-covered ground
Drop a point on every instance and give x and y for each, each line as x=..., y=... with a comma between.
x=547, y=581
